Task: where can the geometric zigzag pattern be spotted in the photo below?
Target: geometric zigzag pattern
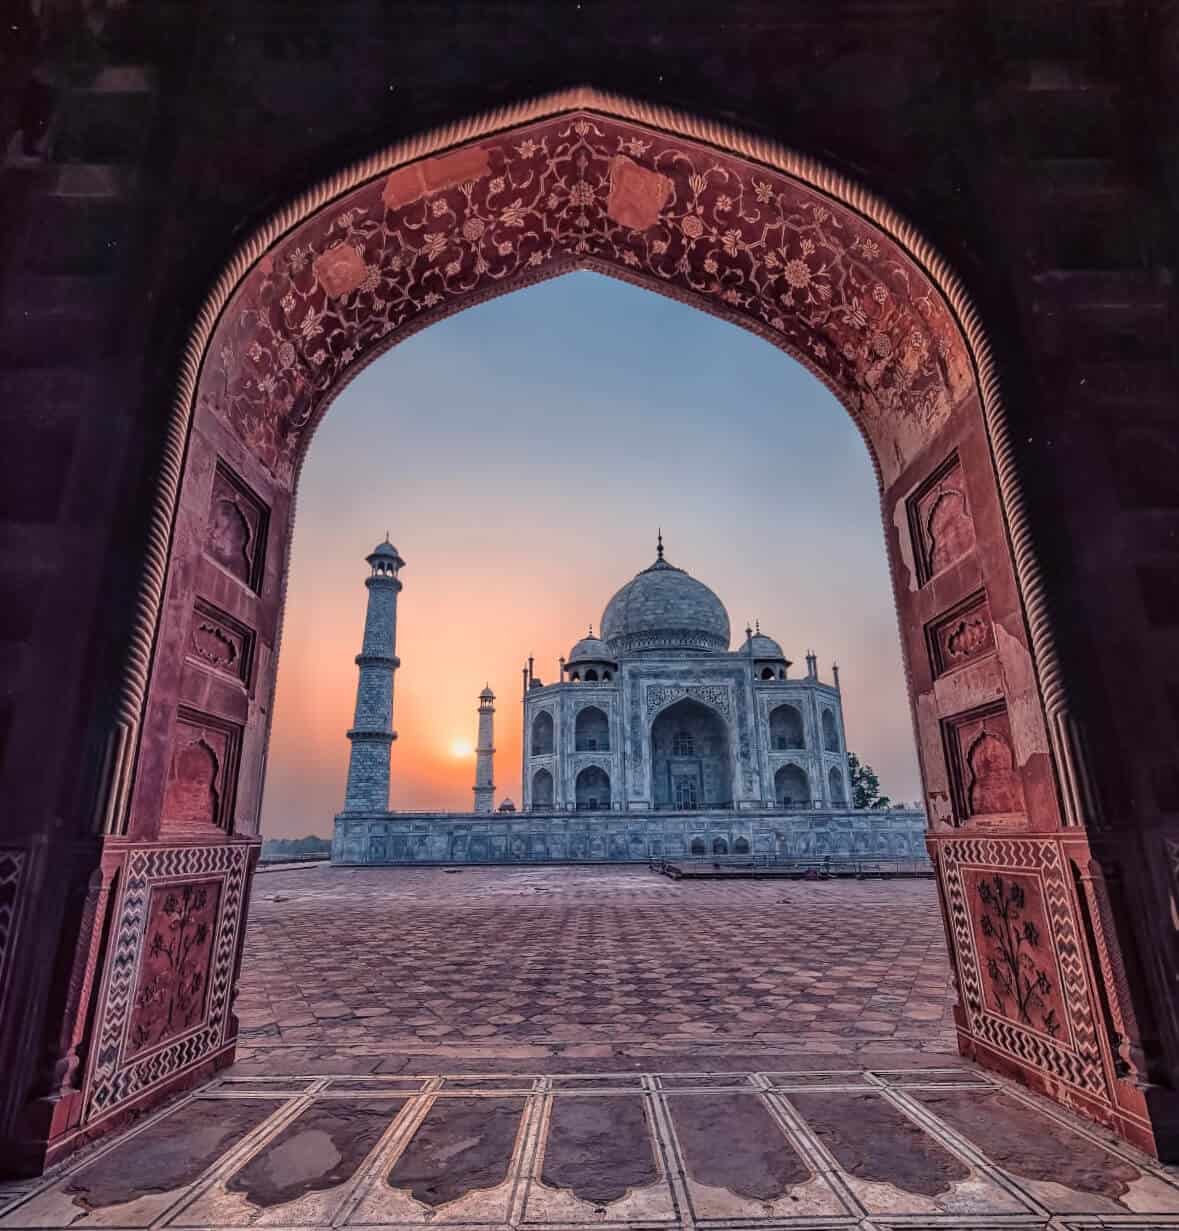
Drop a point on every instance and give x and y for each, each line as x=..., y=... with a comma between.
x=12, y=870
x=1077, y=1062
x=112, y=1080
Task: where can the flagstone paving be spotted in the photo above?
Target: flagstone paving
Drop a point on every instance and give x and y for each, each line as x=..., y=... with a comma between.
x=420, y=959
x=517, y=1049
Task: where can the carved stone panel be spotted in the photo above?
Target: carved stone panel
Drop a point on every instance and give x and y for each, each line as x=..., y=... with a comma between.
x=637, y=196
x=1012, y=938
x=236, y=536
x=659, y=696
x=982, y=763
x=1010, y=908
x=202, y=774
x=940, y=519
x=124, y=1069
x=219, y=641
x=172, y=991
x=961, y=635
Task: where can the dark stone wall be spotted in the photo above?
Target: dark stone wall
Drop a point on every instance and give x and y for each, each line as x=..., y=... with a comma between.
x=1033, y=143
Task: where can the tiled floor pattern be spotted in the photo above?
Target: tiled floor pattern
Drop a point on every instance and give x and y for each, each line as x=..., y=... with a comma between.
x=869, y=1149
x=425, y=960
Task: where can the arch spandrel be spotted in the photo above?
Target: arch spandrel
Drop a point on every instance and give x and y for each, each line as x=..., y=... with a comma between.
x=743, y=240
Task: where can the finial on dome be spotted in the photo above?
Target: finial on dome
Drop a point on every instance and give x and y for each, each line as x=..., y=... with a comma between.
x=591, y=629
x=757, y=626
x=659, y=546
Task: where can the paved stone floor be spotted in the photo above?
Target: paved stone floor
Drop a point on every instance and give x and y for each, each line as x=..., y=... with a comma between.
x=553, y=1049
x=530, y=960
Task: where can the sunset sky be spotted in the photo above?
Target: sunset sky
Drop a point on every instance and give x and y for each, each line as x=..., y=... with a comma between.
x=521, y=454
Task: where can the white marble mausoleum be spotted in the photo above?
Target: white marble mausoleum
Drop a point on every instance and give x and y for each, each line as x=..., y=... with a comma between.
x=658, y=713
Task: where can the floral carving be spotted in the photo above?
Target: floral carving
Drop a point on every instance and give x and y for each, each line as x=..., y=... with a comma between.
x=1020, y=986
x=659, y=696
x=340, y=270
x=745, y=241
x=173, y=981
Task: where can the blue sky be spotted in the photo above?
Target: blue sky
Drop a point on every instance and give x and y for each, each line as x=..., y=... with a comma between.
x=522, y=454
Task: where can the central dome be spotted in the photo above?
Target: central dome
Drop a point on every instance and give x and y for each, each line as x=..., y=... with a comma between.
x=663, y=608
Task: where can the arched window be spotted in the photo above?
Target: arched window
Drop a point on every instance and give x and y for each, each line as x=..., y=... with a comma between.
x=592, y=789
x=591, y=675
x=741, y=846
x=682, y=744
x=720, y=846
x=698, y=847
x=786, y=728
x=835, y=783
x=542, y=734
x=767, y=673
x=591, y=731
x=792, y=788
x=605, y=675
x=830, y=733
x=542, y=789
x=575, y=678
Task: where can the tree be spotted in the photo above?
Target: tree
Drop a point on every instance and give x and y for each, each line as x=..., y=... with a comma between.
x=865, y=785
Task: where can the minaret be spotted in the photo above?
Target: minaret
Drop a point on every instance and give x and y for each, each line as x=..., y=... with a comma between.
x=372, y=733
x=485, y=753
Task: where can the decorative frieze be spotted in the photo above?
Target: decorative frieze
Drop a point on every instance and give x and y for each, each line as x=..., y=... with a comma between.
x=717, y=696
x=218, y=641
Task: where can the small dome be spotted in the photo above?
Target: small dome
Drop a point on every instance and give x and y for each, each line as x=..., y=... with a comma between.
x=487, y=694
x=385, y=549
x=506, y=806
x=590, y=649
x=763, y=647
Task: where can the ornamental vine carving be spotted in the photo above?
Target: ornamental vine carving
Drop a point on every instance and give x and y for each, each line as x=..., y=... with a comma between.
x=742, y=240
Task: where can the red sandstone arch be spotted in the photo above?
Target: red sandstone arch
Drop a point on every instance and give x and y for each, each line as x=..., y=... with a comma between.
x=736, y=226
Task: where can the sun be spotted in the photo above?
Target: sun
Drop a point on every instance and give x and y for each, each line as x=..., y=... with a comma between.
x=460, y=748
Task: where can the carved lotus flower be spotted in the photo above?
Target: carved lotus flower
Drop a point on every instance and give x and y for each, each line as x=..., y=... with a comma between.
x=692, y=227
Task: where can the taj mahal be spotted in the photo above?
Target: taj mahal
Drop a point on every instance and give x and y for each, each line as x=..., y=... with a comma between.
x=656, y=740
x=658, y=713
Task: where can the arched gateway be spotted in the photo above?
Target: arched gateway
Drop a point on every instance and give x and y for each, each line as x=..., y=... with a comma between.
x=737, y=227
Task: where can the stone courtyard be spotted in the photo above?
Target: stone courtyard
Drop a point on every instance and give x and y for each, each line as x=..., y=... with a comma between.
x=521, y=962
x=554, y=1048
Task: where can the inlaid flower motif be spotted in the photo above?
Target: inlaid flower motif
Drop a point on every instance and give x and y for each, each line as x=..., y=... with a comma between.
x=629, y=258
x=339, y=270
x=535, y=258
x=504, y=247
x=724, y=203
x=635, y=147
x=854, y=314
x=513, y=215
x=438, y=207
x=797, y=272
x=581, y=194
x=288, y=301
x=434, y=244
x=869, y=248
x=452, y=268
x=710, y=265
x=732, y=296
x=731, y=242
x=526, y=149
x=473, y=229
x=659, y=246
x=881, y=345
x=319, y=356
x=692, y=227
x=880, y=293
x=372, y=278
x=763, y=192
x=431, y=298
x=496, y=185
x=310, y=327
